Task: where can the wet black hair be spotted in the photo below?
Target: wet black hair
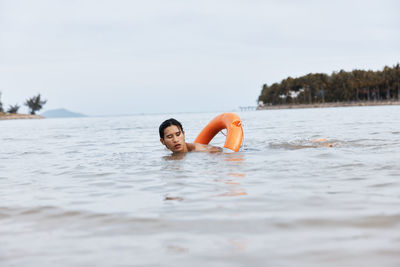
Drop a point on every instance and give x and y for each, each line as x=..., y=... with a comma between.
x=168, y=123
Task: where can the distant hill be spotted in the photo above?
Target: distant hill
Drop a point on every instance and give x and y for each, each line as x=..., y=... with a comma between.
x=61, y=113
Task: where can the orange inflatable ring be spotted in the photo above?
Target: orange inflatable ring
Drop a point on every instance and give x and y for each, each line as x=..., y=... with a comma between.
x=229, y=121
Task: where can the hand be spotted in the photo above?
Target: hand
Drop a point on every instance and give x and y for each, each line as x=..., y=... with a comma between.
x=214, y=149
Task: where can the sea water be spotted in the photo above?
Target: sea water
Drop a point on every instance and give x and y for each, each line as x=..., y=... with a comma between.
x=310, y=187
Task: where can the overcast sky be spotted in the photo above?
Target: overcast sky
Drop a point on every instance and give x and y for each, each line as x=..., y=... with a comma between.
x=114, y=57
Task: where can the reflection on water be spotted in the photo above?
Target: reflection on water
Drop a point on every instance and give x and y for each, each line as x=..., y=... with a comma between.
x=234, y=192
x=238, y=157
x=236, y=174
x=234, y=188
x=311, y=188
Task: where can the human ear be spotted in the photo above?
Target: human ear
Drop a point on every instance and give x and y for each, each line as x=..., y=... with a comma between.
x=162, y=141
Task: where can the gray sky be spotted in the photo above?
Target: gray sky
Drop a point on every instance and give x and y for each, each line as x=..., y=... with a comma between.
x=103, y=57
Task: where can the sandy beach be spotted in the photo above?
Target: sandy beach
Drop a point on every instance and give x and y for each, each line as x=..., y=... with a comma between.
x=8, y=116
x=330, y=105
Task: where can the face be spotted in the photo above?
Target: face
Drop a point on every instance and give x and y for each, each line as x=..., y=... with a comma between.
x=174, y=139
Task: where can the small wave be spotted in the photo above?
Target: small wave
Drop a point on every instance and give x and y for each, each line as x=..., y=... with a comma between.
x=289, y=146
x=251, y=149
x=384, y=185
x=384, y=221
x=9, y=139
x=332, y=143
x=348, y=166
x=35, y=153
x=125, y=129
x=48, y=217
x=51, y=215
x=61, y=136
x=303, y=144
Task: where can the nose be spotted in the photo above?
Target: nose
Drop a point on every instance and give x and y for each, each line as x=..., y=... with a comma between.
x=175, y=139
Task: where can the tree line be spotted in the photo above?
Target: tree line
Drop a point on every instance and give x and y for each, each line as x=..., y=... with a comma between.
x=342, y=86
x=34, y=104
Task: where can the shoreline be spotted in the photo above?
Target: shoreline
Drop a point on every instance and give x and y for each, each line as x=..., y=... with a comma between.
x=8, y=116
x=330, y=105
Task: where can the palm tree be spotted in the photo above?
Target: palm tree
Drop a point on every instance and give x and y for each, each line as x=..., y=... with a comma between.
x=13, y=109
x=35, y=104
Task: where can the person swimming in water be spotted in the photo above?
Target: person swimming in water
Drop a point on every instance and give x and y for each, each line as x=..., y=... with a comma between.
x=172, y=136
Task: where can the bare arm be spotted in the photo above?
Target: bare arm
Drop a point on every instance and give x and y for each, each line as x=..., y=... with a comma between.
x=203, y=148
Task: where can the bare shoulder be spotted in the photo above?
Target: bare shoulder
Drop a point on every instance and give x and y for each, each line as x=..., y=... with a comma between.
x=191, y=147
x=205, y=148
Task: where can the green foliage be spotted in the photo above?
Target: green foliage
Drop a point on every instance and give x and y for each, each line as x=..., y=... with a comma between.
x=35, y=104
x=13, y=109
x=357, y=85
